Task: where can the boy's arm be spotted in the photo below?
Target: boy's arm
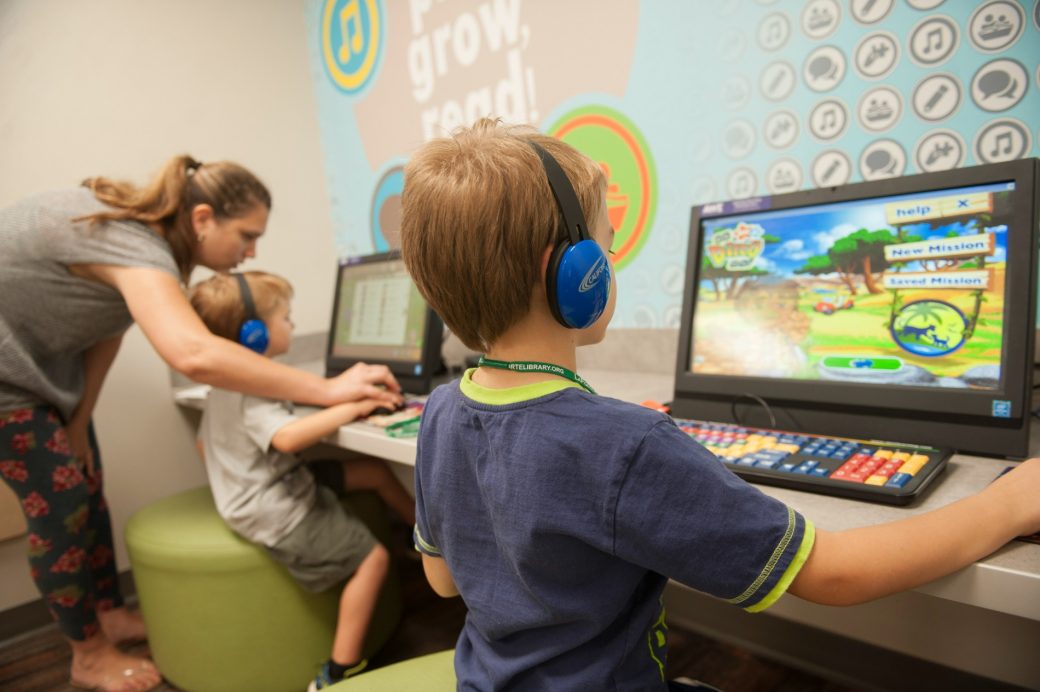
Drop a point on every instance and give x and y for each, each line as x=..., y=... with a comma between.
x=437, y=574
x=859, y=565
x=309, y=430
x=96, y=363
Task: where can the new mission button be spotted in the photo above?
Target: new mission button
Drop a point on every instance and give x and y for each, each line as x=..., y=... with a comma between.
x=885, y=363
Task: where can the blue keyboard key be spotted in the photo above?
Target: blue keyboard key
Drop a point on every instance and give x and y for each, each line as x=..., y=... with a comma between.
x=787, y=467
x=766, y=464
x=898, y=480
x=820, y=471
x=806, y=466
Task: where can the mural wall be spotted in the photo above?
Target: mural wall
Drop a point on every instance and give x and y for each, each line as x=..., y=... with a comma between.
x=681, y=102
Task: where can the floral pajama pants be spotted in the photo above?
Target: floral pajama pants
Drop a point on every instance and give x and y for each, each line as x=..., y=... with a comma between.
x=70, y=534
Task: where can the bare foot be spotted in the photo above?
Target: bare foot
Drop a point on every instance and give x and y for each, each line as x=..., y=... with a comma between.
x=122, y=625
x=98, y=665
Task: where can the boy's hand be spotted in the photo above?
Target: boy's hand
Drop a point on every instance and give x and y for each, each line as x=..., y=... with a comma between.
x=364, y=381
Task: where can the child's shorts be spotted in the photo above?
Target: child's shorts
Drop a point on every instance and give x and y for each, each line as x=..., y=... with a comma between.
x=327, y=546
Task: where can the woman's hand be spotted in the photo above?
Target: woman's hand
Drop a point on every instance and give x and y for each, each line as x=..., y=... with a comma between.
x=364, y=381
x=79, y=444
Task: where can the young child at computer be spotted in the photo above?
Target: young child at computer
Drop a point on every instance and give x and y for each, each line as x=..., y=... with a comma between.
x=264, y=492
x=557, y=514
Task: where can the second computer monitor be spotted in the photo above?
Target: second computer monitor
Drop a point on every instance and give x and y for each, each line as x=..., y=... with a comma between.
x=379, y=317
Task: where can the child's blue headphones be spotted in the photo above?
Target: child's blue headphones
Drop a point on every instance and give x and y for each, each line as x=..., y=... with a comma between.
x=578, y=276
x=253, y=332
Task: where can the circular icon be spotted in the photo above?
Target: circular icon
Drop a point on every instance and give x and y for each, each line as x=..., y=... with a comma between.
x=933, y=40
x=1002, y=140
x=936, y=97
x=999, y=84
x=738, y=139
x=940, y=150
x=780, y=129
x=870, y=11
x=773, y=31
x=702, y=148
x=736, y=92
x=1036, y=15
x=643, y=317
x=672, y=279
x=929, y=328
x=831, y=168
x=820, y=18
x=924, y=4
x=785, y=175
x=824, y=68
x=778, y=80
x=672, y=316
x=704, y=191
x=879, y=109
x=995, y=26
x=385, y=213
x=828, y=119
x=731, y=46
x=611, y=139
x=741, y=183
x=876, y=55
x=351, y=42
x=883, y=158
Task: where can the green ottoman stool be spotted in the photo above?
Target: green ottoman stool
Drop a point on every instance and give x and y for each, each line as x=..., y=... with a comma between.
x=223, y=615
x=431, y=673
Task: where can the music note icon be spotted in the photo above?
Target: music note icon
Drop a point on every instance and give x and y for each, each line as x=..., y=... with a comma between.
x=936, y=44
x=350, y=27
x=1004, y=137
x=830, y=119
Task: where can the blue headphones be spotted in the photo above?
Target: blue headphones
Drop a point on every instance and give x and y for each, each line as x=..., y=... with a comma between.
x=253, y=332
x=578, y=277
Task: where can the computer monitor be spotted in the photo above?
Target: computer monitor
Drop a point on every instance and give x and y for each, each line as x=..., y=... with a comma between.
x=378, y=316
x=901, y=310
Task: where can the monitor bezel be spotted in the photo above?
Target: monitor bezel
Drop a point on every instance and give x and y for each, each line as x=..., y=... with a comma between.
x=908, y=413
x=430, y=362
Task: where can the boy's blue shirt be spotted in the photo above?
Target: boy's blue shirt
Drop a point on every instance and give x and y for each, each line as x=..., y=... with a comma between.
x=561, y=515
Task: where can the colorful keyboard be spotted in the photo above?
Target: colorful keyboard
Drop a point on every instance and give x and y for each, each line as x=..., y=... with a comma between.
x=887, y=472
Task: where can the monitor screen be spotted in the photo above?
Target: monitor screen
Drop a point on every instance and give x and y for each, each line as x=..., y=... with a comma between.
x=910, y=298
x=380, y=317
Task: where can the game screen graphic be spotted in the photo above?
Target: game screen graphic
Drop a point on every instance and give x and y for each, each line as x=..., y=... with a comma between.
x=380, y=313
x=905, y=290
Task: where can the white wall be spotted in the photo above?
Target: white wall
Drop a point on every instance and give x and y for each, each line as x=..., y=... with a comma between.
x=115, y=87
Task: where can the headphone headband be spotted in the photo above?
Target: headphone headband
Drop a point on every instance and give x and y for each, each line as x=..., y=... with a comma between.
x=247, y=297
x=566, y=199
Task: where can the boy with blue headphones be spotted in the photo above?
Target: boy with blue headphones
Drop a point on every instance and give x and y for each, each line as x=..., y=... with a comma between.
x=560, y=515
x=266, y=493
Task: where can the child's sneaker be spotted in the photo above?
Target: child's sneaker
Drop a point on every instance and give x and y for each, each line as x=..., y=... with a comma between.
x=324, y=677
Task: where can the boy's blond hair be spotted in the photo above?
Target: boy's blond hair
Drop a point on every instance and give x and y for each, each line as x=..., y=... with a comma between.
x=478, y=213
x=218, y=300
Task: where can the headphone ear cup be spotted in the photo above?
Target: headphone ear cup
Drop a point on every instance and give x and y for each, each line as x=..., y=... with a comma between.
x=580, y=287
x=253, y=335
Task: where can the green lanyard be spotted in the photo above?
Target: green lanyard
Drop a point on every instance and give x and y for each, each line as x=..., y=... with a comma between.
x=535, y=366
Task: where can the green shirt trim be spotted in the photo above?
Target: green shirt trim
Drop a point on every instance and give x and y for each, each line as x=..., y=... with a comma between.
x=511, y=395
x=808, y=539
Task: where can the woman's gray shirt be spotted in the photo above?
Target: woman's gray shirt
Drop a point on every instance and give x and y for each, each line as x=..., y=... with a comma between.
x=48, y=316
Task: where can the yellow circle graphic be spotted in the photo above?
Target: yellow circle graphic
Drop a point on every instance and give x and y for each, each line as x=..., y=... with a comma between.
x=351, y=38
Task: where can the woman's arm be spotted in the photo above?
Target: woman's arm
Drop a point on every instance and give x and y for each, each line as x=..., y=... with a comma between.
x=96, y=362
x=859, y=565
x=308, y=431
x=158, y=304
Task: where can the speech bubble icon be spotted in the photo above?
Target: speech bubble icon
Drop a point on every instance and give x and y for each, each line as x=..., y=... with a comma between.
x=994, y=82
x=878, y=159
x=822, y=66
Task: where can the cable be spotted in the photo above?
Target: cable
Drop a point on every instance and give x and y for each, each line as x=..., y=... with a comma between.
x=760, y=400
